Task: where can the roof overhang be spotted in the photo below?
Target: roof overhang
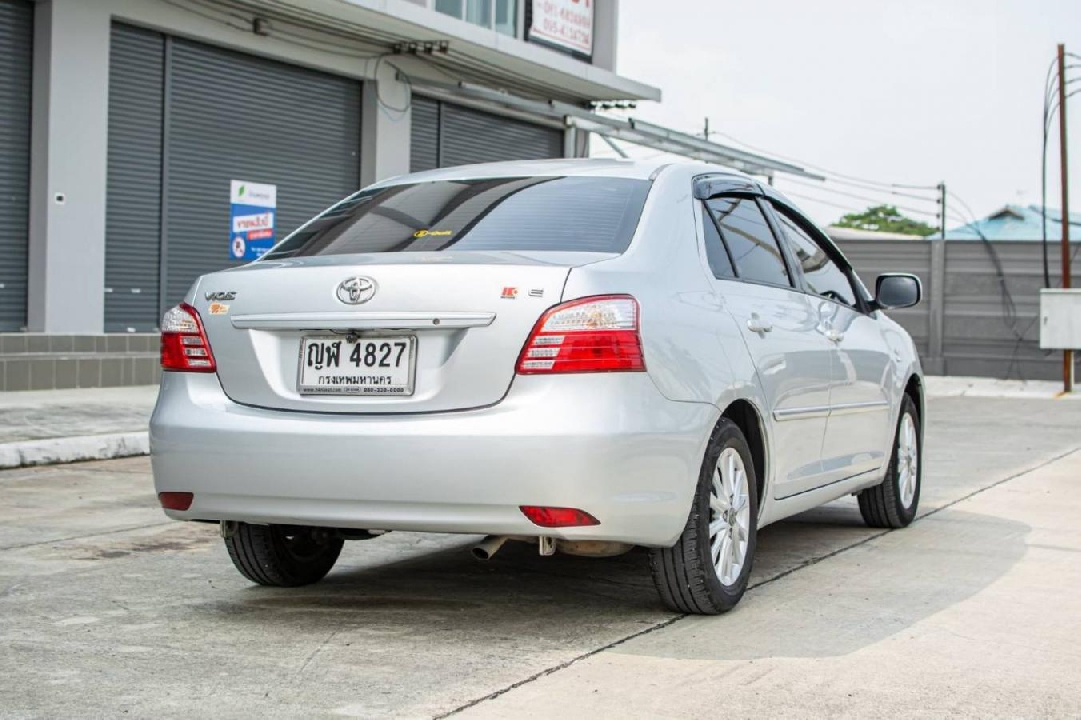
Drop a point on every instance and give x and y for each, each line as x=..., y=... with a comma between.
x=473, y=53
x=629, y=130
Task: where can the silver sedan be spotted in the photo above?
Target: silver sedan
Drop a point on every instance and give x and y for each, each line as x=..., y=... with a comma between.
x=586, y=355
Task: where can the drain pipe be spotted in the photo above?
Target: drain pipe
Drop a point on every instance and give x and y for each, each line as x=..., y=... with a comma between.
x=489, y=546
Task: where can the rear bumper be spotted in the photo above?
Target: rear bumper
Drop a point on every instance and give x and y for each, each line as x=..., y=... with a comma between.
x=609, y=444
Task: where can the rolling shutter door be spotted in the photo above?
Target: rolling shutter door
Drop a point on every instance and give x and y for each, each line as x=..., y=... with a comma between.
x=471, y=136
x=234, y=116
x=424, y=135
x=16, y=35
x=444, y=134
x=133, y=189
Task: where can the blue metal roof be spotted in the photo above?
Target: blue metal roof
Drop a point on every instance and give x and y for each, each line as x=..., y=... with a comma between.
x=1018, y=222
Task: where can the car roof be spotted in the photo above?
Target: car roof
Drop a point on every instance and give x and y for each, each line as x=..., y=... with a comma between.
x=584, y=167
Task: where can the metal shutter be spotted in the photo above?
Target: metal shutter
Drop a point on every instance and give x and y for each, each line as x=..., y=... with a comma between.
x=133, y=190
x=16, y=35
x=234, y=116
x=471, y=136
x=443, y=134
x=424, y=135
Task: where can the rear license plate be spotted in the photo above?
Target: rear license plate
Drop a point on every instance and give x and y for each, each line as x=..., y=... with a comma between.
x=336, y=365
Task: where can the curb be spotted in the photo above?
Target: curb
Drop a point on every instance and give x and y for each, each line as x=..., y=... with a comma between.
x=54, y=451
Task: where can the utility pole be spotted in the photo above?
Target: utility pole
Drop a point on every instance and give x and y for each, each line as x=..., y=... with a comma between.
x=1067, y=355
x=705, y=130
x=942, y=209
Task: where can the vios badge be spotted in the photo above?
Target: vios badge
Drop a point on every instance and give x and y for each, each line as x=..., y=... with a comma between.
x=356, y=290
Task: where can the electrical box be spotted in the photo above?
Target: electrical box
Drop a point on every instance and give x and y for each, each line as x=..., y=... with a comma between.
x=1060, y=319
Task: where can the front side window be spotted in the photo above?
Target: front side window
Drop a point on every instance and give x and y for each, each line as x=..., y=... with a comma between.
x=584, y=214
x=823, y=276
x=754, y=250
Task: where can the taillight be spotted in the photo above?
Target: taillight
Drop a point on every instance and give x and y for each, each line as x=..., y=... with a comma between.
x=184, y=345
x=593, y=334
x=555, y=517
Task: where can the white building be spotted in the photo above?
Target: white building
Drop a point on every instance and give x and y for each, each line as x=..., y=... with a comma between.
x=124, y=123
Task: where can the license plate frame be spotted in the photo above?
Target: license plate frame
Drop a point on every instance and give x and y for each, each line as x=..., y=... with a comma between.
x=351, y=390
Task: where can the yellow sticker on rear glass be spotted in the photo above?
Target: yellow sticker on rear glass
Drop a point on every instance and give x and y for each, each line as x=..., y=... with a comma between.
x=432, y=233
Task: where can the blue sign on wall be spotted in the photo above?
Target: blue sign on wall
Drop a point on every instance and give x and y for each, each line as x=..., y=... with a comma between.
x=253, y=206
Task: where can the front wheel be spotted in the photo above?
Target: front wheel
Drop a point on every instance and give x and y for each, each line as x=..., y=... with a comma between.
x=707, y=570
x=283, y=555
x=893, y=503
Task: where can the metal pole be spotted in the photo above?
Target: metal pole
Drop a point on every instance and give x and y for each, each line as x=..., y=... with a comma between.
x=1067, y=355
x=942, y=209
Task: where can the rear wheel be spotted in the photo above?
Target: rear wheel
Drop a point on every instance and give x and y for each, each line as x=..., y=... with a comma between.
x=707, y=570
x=283, y=555
x=893, y=503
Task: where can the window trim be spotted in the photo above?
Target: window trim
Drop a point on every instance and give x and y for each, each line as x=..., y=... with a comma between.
x=822, y=241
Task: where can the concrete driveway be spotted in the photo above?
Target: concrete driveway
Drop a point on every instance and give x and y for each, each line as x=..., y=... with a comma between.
x=106, y=608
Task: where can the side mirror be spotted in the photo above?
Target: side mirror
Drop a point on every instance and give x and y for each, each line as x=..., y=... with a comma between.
x=897, y=290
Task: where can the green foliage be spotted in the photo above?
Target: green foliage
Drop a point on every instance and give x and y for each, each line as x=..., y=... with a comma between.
x=885, y=218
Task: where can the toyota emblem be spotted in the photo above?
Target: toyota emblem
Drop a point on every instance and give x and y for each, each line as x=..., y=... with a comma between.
x=356, y=290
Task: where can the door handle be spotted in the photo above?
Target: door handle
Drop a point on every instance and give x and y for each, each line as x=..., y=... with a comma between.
x=758, y=325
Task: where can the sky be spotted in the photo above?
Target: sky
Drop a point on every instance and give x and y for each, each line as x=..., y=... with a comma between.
x=902, y=92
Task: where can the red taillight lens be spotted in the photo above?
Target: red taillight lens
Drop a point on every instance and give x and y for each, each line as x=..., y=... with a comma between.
x=175, y=500
x=593, y=334
x=554, y=517
x=184, y=346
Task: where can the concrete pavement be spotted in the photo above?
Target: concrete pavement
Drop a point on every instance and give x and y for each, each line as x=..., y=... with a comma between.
x=107, y=608
x=52, y=426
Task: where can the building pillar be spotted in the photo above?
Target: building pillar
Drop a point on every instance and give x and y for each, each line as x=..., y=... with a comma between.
x=605, y=33
x=386, y=121
x=68, y=167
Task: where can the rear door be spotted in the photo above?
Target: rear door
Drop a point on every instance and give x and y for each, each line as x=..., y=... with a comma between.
x=779, y=326
x=410, y=298
x=858, y=430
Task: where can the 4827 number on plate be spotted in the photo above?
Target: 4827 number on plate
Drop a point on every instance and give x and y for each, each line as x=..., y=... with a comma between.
x=334, y=365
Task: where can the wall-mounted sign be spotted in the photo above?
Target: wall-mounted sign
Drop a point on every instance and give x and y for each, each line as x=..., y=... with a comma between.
x=564, y=23
x=251, y=219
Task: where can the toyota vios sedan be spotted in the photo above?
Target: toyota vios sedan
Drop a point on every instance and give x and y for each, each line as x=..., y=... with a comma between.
x=587, y=355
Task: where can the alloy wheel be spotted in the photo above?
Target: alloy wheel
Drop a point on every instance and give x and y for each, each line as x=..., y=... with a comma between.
x=730, y=516
x=908, y=460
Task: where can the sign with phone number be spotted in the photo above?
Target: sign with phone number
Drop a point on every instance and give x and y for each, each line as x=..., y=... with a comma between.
x=566, y=23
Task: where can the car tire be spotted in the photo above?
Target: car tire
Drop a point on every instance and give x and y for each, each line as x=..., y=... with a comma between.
x=893, y=502
x=690, y=576
x=283, y=555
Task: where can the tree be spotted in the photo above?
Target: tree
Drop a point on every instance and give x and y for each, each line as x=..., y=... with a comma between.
x=885, y=218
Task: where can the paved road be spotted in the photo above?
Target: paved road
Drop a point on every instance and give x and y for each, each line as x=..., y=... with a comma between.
x=106, y=608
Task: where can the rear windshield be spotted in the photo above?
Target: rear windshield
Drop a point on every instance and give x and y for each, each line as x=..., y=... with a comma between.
x=587, y=214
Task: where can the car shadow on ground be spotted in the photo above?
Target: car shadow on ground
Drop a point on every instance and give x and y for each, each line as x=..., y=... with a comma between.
x=448, y=579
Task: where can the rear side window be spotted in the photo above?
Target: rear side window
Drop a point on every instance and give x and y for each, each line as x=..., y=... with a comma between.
x=586, y=214
x=754, y=250
x=823, y=276
x=716, y=254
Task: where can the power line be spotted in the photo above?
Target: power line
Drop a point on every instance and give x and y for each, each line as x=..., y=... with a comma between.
x=865, y=198
x=847, y=208
x=819, y=168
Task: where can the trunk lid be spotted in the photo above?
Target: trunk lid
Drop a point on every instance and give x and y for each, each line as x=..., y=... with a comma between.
x=469, y=312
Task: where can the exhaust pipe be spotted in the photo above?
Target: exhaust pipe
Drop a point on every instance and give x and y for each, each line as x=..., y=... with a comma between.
x=489, y=546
